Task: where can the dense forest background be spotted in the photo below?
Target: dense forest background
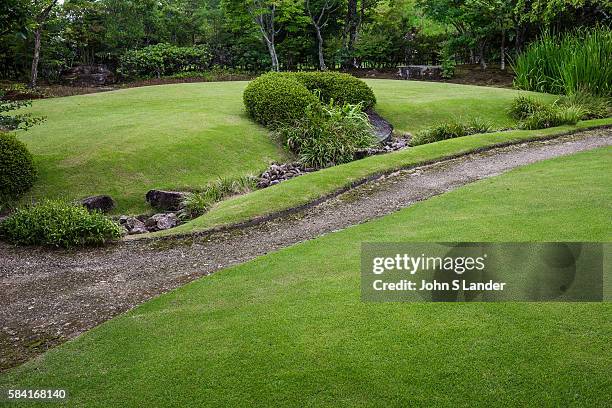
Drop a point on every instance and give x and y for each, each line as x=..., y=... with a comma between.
x=43, y=38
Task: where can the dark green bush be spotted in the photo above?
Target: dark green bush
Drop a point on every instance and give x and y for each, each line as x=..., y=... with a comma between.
x=163, y=59
x=451, y=130
x=273, y=99
x=58, y=224
x=328, y=135
x=339, y=87
x=17, y=171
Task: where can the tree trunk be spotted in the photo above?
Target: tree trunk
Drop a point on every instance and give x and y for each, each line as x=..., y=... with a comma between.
x=503, y=51
x=351, y=33
x=481, y=51
x=36, y=57
x=273, y=55
x=322, y=65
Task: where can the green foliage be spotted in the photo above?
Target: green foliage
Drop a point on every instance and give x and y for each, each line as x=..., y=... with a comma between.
x=535, y=114
x=198, y=203
x=58, y=224
x=524, y=106
x=163, y=59
x=328, y=134
x=276, y=98
x=273, y=99
x=551, y=116
x=338, y=87
x=594, y=107
x=17, y=171
x=22, y=121
x=450, y=130
x=575, y=62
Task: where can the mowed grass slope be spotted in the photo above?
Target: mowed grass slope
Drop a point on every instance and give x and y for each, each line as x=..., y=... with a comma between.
x=413, y=105
x=126, y=142
x=182, y=136
x=289, y=329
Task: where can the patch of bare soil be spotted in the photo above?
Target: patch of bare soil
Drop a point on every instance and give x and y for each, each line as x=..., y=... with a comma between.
x=49, y=296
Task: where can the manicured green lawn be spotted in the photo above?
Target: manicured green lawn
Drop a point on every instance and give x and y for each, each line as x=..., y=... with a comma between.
x=304, y=189
x=182, y=136
x=413, y=105
x=126, y=142
x=289, y=329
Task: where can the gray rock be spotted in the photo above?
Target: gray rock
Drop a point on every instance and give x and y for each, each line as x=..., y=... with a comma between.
x=88, y=75
x=133, y=225
x=421, y=72
x=166, y=200
x=159, y=222
x=102, y=203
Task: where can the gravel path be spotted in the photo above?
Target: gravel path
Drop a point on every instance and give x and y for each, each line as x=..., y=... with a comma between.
x=49, y=296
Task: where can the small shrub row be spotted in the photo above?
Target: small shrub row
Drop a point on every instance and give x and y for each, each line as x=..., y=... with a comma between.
x=163, y=59
x=451, y=129
x=17, y=171
x=198, y=203
x=328, y=134
x=58, y=224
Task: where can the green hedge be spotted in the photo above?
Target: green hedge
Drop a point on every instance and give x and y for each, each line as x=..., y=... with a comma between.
x=58, y=224
x=17, y=171
x=276, y=98
x=339, y=87
x=163, y=59
x=273, y=99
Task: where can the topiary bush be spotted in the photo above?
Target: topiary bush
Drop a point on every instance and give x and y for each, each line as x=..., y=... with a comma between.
x=339, y=87
x=273, y=99
x=17, y=171
x=58, y=224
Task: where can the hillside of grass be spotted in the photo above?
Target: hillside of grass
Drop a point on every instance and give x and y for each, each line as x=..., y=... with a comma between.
x=289, y=328
x=413, y=105
x=307, y=188
x=123, y=143
x=182, y=136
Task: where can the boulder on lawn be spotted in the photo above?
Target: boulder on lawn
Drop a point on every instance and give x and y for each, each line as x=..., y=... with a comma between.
x=133, y=225
x=102, y=203
x=166, y=200
x=159, y=222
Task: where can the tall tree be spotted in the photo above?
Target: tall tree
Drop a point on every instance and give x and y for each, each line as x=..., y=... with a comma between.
x=42, y=11
x=319, y=16
x=264, y=14
x=351, y=25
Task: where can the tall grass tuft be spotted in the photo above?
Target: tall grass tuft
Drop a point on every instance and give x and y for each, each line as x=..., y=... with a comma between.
x=580, y=61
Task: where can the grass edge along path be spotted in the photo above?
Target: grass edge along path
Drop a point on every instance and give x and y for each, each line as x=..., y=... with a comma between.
x=289, y=328
x=310, y=188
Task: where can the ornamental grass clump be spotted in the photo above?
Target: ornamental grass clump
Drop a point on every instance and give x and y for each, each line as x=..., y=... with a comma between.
x=579, y=61
x=328, y=134
x=450, y=130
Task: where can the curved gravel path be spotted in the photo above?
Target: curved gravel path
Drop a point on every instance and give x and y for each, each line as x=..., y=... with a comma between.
x=49, y=296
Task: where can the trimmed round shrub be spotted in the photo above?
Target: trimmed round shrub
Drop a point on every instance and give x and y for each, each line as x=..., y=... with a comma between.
x=340, y=87
x=58, y=224
x=17, y=171
x=273, y=99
